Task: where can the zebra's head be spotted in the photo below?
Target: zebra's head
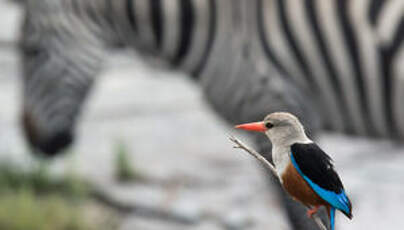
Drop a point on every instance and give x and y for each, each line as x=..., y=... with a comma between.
x=59, y=61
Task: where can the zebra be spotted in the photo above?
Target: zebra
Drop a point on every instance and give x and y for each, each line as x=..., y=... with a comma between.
x=337, y=65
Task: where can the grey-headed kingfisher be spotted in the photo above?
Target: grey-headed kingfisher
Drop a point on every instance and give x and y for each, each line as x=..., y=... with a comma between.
x=306, y=172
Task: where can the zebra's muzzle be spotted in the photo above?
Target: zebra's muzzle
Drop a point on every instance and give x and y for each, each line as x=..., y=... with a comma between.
x=48, y=145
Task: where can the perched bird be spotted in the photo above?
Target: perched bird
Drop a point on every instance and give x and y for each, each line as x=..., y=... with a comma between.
x=305, y=171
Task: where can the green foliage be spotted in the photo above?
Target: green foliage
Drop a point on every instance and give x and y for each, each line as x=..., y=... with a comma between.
x=40, y=181
x=35, y=200
x=124, y=170
x=22, y=210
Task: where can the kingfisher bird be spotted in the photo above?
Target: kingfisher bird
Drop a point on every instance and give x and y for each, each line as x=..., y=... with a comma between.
x=305, y=171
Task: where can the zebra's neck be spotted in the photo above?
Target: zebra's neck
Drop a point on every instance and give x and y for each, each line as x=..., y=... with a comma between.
x=96, y=14
x=179, y=31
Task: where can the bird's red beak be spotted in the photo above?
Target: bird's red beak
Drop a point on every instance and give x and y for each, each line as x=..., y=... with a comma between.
x=254, y=126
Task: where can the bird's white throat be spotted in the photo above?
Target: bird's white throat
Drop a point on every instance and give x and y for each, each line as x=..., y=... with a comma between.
x=281, y=159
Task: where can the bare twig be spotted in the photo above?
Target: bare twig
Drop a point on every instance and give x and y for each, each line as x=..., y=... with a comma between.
x=318, y=221
x=240, y=145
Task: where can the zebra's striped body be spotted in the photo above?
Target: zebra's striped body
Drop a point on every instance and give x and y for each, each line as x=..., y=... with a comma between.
x=349, y=52
x=337, y=64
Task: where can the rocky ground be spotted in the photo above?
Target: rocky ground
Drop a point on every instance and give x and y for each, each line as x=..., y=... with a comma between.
x=193, y=179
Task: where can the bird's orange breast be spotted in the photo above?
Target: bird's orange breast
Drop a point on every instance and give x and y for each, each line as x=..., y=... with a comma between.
x=299, y=189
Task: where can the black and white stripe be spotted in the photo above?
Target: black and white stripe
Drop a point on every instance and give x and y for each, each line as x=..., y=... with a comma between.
x=180, y=31
x=346, y=50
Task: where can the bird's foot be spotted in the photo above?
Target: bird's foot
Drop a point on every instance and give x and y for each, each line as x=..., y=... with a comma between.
x=312, y=211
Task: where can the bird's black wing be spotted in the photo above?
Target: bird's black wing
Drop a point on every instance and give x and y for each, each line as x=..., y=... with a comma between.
x=316, y=168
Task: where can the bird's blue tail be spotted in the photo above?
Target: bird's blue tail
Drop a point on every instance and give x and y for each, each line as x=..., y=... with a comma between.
x=332, y=218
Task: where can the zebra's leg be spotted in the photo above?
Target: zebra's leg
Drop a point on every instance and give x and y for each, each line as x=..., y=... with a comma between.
x=249, y=96
x=286, y=97
x=295, y=210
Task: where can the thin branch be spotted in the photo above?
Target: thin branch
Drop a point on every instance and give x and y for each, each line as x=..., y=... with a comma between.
x=318, y=221
x=240, y=145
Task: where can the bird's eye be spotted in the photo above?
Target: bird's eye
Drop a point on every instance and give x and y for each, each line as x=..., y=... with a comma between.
x=269, y=125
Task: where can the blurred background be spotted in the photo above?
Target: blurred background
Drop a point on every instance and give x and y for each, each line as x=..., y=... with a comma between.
x=111, y=179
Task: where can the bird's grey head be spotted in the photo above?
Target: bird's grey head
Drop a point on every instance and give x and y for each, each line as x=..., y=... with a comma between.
x=284, y=128
x=280, y=127
x=59, y=63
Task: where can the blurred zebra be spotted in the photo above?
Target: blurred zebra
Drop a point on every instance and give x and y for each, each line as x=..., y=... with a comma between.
x=337, y=64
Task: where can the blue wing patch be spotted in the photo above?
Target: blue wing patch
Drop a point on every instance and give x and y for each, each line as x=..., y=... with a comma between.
x=339, y=201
